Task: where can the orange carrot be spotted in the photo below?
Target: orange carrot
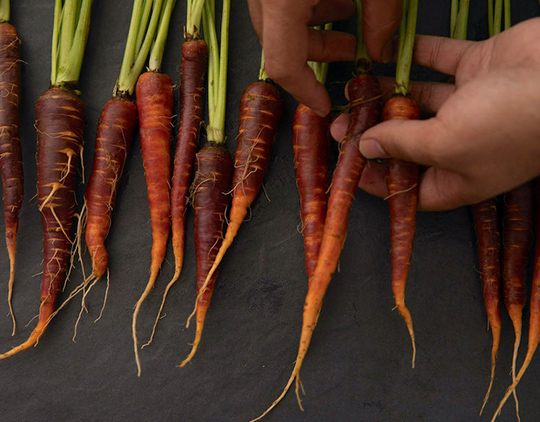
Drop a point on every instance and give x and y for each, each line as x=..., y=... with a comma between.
x=402, y=179
x=155, y=105
x=364, y=94
x=311, y=146
x=487, y=236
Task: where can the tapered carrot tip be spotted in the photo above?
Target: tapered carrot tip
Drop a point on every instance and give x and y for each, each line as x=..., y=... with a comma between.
x=31, y=341
x=494, y=351
x=11, y=247
x=201, y=315
x=406, y=315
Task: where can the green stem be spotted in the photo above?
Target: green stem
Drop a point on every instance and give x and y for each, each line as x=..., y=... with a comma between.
x=217, y=70
x=223, y=57
x=156, y=54
x=4, y=10
x=193, y=21
x=143, y=22
x=453, y=16
x=362, y=55
x=460, y=30
x=490, y=17
x=70, y=32
x=132, y=69
x=507, y=15
x=262, y=73
x=70, y=13
x=131, y=43
x=497, y=17
x=55, y=40
x=408, y=33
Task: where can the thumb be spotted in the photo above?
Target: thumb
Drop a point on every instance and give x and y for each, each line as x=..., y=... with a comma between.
x=408, y=140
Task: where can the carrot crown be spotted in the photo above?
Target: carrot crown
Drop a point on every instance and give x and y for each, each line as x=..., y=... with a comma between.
x=217, y=69
x=142, y=28
x=156, y=54
x=363, y=61
x=4, y=10
x=407, y=32
x=70, y=32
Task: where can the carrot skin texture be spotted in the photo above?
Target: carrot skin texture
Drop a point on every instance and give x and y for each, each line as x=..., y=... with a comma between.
x=60, y=124
x=192, y=75
x=115, y=131
x=364, y=94
x=311, y=147
x=211, y=187
x=10, y=144
x=402, y=179
x=486, y=227
x=155, y=107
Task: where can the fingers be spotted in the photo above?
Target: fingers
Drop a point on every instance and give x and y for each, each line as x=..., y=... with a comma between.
x=440, y=53
x=332, y=10
x=285, y=44
x=408, y=140
x=330, y=46
x=380, y=20
x=255, y=12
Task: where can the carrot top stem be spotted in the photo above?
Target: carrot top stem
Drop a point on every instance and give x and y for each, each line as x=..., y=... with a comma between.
x=4, y=10
x=459, y=30
x=217, y=69
x=71, y=22
x=497, y=17
x=263, y=76
x=361, y=50
x=156, y=54
x=135, y=54
x=507, y=15
x=453, y=16
x=193, y=20
x=406, y=44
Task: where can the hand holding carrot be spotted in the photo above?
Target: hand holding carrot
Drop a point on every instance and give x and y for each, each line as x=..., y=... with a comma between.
x=483, y=139
x=288, y=42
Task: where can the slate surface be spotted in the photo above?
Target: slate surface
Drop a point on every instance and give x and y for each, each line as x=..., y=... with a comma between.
x=358, y=366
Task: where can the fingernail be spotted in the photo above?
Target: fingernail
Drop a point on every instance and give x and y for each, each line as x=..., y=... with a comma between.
x=370, y=148
x=319, y=113
x=387, y=53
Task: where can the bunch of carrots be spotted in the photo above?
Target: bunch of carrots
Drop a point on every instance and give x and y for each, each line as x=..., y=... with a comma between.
x=222, y=188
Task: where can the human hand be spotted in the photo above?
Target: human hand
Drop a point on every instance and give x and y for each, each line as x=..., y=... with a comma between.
x=288, y=42
x=484, y=138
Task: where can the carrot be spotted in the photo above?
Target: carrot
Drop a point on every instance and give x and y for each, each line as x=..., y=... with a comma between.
x=59, y=125
x=192, y=75
x=114, y=136
x=534, y=319
x=311, y=147
x=213, y=171
x=364, y=95
x=517, y=240
x=260, y=111
x=10, y=144
x=402, y=179
x=155, y=100
x=488, y=239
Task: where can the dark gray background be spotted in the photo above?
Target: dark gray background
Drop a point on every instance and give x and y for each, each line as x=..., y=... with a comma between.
x=358, y=366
